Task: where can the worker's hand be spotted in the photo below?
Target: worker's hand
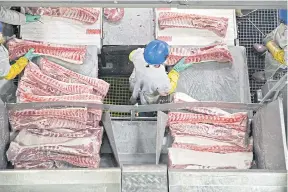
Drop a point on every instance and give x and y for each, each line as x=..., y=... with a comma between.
x=181, y=66
x=133, y=101
x=30, y=55
x=32, y=18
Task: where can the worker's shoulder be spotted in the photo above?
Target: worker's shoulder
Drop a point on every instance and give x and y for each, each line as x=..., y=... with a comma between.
x=138, y=51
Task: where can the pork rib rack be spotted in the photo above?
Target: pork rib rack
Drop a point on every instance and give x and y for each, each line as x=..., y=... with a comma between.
x=217, y=52
x=84, y=15
x=71, y=54
x=218, y=25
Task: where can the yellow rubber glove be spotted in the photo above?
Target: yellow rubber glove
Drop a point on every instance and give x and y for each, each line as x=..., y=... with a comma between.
x=173, y=75
x=16, y=68
x=131, y=54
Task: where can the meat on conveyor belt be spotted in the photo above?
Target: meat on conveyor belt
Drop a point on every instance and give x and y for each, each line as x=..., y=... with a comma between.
x=69, y=53
x=217, y=52
x=218, y=25
x=84, y=15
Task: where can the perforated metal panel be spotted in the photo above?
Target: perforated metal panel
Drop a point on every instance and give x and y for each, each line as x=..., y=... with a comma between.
x=266, y=21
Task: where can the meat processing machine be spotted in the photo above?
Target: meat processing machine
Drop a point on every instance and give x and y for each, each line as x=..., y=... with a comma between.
x=135, y=145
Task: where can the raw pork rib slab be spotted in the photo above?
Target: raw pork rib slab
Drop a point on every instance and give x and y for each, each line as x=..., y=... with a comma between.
x=218, y=25
x=62, y=74
x=34, y=74
x=208, y=145
x=218, y=52
x=182, y=97
x=209, y=131
x=113, y=14
x=240, y=119
x=71, y=54
x=84, y=15
x=182, y=157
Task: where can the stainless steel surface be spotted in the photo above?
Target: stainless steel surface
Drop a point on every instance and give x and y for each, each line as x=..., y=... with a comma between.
x=227, y=181
x=162, y=120
x=106, y=119
x=213, y=81
x=240, y=4
x=268, y=86
x=144, y=178
x=269, y=137
x=4, y=135
x=135, y=28
x=139, y=108
x=73, y=180
x=276, y=88
x=135, y=141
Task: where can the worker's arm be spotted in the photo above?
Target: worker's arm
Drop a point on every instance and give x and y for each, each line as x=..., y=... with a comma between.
x=135, y=93
x=19, y=65
x=11, y=17
x=174, y=73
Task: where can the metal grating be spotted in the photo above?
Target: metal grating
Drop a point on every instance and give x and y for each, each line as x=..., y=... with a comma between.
x=119, y=93
x=266, y=21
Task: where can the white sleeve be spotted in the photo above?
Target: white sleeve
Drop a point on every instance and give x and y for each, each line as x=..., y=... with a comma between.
x=11, y=17
x=4, y=62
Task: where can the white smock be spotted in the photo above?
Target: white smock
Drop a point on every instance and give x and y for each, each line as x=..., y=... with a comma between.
x=147, y=81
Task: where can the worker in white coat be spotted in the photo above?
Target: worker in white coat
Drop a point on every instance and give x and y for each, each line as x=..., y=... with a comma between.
x=14, y=18
x=149, y=79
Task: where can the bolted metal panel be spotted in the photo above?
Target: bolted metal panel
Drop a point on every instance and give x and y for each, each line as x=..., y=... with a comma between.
x=162, y=120
x=269, y=137
x=73, y=180
x=227, y=181
x=144, y=178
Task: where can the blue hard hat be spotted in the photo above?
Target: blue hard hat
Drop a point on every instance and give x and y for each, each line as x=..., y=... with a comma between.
x=283, y=16
x=156, y=52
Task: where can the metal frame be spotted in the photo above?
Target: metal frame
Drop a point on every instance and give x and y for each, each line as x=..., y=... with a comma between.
x=240, y=4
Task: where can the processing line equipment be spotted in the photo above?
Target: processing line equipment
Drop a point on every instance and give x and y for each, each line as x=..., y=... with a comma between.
x=134, y=151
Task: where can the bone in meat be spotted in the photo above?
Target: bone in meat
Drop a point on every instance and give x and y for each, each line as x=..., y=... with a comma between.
x=209, y=131
x=218, y=25
x=45, y=123
x=58, y=72
x=239, y=160
x=240, y=118
x=218, y=52
x=34, y=165
x=88, y=132
x=182, y=97
x=74, y=114
x=84, y=15
x=33, y=72
x=208, y=145
x=71, y=54
x=31, y=156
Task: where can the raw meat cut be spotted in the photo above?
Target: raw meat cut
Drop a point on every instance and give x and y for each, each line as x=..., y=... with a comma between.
x=45, y=123
x=217, y=52
x=33, y=73
x=62, y=74
x=240, y=118
x=208, y=145
x=30, y=97
x=34, y=165
x=85, y=149
x=113, y=14
x=58, y=132
x=239, y=160
x=75, y=114
x=218, y=25
x=209, y=131
x=27, y=138
x=87, y=16
x=26, y=85
x=89, y=162
x=182, y=97
x=71, y=54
